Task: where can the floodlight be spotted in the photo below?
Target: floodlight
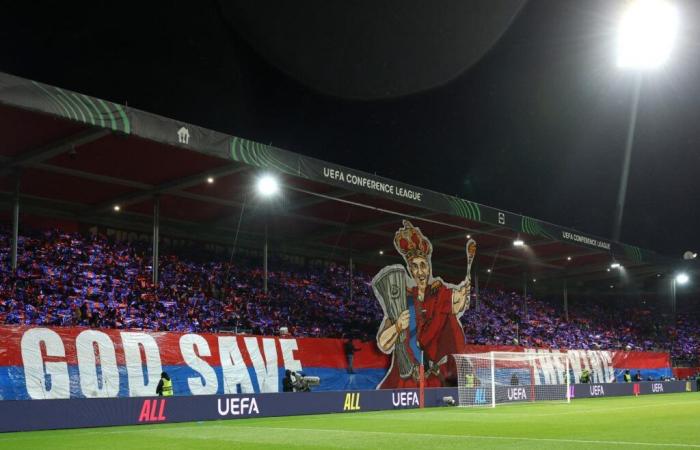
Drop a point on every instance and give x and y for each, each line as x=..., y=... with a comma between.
x=518, y=243
x=210, y=180
x=646, y=34
x=688, y=255
x=615, y=265
x=268, y=185
x=117, y=208
x=682, y=278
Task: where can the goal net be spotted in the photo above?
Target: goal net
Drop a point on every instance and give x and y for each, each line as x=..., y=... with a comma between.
x=488, y=379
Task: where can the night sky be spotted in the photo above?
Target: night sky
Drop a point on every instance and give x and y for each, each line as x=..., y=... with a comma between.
x=534, y=124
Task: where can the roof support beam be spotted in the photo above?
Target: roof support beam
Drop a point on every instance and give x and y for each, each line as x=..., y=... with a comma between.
x=53, y=149
x=167, y=187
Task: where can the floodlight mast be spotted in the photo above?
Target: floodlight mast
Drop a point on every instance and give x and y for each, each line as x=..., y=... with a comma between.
x=267, y=186
x=680, y=279
x=645, y=39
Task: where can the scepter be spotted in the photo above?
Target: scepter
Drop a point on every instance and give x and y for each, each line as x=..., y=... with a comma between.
x=471, y=252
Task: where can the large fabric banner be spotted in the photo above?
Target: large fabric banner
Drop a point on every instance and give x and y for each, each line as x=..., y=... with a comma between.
x=53, y=363
x=62, y=363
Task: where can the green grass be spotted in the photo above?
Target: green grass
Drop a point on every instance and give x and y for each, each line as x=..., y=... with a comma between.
x=659, y=421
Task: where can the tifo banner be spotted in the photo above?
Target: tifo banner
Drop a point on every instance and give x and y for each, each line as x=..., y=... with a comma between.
x=63, y=363
x=604, y=366
x=55, y=363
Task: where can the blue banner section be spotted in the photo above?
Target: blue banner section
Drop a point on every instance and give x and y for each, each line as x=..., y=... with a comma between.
x=12, y=381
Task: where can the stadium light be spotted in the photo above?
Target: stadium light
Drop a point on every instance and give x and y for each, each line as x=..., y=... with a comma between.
x=381, y=252
x=646, y=34
x=117, y=208
x=615, y=265
x=518, y=243
x=689, y=255
x=268, y=185
x=469, y=236
x=210, y=180
x=488, y=270
x=682, y=278
x=568, y=258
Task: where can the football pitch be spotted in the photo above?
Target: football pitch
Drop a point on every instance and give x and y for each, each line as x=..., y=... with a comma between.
x=660, y=421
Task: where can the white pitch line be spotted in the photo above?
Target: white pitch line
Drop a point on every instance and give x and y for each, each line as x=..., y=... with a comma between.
x=472, y=436
x=171, y=431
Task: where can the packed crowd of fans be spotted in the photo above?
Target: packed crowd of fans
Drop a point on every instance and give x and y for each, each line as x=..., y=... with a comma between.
x=71, y=279
x=91, y=280
x=505, y=318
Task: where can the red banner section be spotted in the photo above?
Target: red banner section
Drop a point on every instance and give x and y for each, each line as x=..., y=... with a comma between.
x=681, y=373
x=313, y=351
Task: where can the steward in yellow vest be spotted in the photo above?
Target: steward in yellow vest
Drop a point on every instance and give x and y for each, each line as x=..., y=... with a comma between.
x=469, y=380
x=165, y=385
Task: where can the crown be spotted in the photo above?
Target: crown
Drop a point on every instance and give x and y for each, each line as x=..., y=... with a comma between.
x=410, y=242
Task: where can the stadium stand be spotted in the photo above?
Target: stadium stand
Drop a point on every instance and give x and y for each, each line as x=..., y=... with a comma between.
x=93, y=280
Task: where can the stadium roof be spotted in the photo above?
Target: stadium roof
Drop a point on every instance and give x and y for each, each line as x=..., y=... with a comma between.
x=78, y=156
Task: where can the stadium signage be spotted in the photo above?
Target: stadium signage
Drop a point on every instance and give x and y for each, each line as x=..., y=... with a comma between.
x=405, y=399
x=371, y=184
x=352, y=401
x=569, y=236
x=149, y=408
x=81, y=412
x=657, y=387
x=237, y=406
x=597, y=390
x=518, y=393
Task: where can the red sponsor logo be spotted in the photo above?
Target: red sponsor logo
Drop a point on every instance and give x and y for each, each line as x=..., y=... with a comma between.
x=152, y=410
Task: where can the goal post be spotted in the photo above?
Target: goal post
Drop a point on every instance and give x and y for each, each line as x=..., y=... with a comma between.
x=489, y=379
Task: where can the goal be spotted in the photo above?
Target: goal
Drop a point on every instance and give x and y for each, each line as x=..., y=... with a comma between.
x=488, y=379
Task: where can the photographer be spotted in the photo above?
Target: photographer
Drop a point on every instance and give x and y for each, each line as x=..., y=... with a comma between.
x=297, y=382
x=287, y=383
x=300, y=383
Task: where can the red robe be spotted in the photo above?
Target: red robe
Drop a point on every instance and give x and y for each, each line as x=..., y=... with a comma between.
x=439, y=334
